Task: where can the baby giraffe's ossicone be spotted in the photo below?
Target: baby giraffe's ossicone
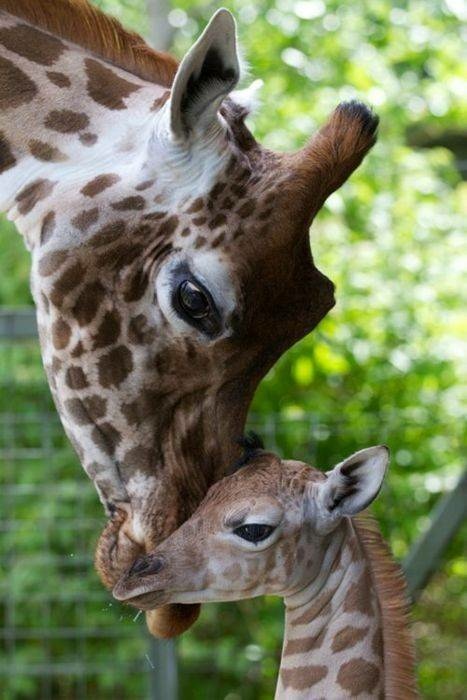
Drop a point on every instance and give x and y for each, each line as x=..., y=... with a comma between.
x=285, y=528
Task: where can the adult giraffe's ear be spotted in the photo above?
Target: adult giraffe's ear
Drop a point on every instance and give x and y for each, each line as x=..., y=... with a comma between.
x=208, y=72
x=352, y=485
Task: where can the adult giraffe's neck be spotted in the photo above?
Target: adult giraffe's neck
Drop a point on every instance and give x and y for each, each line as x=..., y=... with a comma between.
x=346, y=633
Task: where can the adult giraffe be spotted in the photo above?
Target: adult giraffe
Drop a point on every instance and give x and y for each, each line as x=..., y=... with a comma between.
x=284, y=528
x=171, y=264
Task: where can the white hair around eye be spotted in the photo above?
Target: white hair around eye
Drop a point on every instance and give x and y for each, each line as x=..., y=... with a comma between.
x=207, y=275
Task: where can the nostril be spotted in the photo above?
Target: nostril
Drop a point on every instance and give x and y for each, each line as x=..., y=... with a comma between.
x=146, y=565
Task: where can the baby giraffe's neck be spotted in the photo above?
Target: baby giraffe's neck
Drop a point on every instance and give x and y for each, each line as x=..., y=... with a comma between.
x=335, y=641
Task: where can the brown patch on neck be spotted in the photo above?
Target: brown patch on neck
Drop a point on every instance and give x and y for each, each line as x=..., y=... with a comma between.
x=303, y=677
x=303, y=645
x=357, y=599
x=16, y=87
x=85, y=25
x=390, y=588
x=32, y=194
x=105, y=87
x=32, y=44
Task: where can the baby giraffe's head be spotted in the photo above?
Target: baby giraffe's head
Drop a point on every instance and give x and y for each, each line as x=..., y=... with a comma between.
x=265, y=529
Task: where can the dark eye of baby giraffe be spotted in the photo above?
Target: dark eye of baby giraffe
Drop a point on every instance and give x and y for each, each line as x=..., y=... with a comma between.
x=193, y=300
x=253, y=532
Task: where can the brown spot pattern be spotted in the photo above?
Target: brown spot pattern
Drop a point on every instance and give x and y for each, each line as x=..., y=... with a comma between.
x=321, y=606
x=85, y=219
x=66, y=283
x=7, y=159
x=105, y=87
x=108, y=331
x=47, y=228
x=139, y=458
x=95, y=406
x=358, y=596
x=75, y=378
x=144, y=185
x=78, y=350
x=135, y=203
x=59, y=79
x=88, y=139
x=115, y=366
x=108, y=234
x=303, y=677
x=77, y=411
x=88, y=302
x=195, y=206
x=56, y=364
x=246, y=209
x=303, y=645
x=106, y=438
x=51, y=262
x=358, y=676
x=61, y=334
x=31, y=43
x=136, y=286
x=66, y=121
x=169, y=226
x=160, y=101
x=32, y=194
x=46, y=152
x=139, y=331
x=99, y=184
x=217, y=221
x=199, y=220
x=120, y=256
x=348, y=637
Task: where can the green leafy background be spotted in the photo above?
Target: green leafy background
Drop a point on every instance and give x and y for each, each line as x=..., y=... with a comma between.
x=387, y=364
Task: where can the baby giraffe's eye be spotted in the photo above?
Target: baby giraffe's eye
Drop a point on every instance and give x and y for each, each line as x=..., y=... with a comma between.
x=254, y=532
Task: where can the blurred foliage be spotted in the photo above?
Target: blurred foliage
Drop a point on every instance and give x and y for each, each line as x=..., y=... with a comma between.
x=387, y=363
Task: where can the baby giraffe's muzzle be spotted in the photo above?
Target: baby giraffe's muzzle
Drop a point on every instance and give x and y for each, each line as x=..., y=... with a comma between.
x=146, y=565
x=139, y=585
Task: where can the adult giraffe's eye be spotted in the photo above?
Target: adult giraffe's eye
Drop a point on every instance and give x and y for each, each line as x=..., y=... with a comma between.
x=193, y=300
x=254, y=532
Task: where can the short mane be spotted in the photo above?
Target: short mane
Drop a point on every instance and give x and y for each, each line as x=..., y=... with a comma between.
x=83, y=24
x=399, y=657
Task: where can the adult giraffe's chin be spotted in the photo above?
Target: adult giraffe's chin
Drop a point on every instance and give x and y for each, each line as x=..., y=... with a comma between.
x=171, y=258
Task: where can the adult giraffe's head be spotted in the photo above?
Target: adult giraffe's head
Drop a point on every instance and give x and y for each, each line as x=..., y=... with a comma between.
x=171, y=258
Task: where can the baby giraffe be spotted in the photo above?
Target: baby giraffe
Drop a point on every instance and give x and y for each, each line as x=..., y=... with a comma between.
x=284, y=528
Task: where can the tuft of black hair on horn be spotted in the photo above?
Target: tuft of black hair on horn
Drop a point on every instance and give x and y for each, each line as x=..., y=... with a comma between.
x=251, y=443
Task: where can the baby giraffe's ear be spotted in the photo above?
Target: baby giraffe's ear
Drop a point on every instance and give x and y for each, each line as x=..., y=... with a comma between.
x=353, y=484
x=207, y=74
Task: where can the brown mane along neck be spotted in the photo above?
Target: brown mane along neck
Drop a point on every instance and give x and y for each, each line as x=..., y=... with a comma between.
x=390, y=587
x=87, y=26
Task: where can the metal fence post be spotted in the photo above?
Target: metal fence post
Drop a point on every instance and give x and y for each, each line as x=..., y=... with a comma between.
x=163, y=676
x=446, y=519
